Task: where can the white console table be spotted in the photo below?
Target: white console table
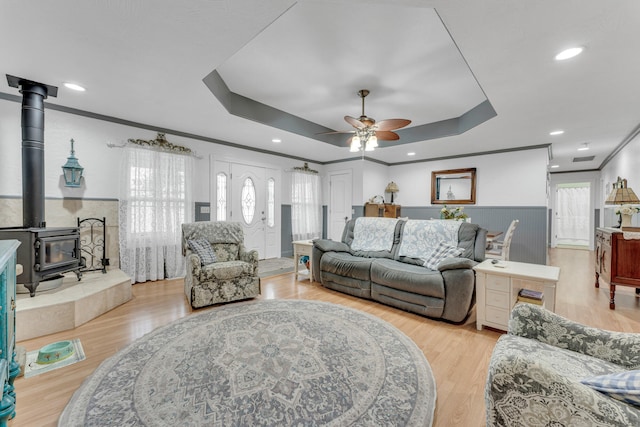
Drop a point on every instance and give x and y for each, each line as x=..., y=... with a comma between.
x=302, y=247
x=497, y=287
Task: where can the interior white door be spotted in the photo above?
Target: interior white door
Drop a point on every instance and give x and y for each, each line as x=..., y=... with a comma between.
x=339, y=203
x=248, y=204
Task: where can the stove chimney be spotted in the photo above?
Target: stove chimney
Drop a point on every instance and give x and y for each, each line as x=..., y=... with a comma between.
x=33, y=96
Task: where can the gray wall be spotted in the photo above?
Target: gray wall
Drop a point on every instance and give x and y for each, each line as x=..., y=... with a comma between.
x=529, y=241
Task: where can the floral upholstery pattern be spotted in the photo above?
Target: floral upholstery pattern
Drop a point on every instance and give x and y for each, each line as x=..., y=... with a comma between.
x=535, y=372
x=233, y=277
x=420, y=237
x=373, y=234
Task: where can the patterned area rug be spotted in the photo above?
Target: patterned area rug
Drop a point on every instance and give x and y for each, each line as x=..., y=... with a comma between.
x=274, y=266
x=264, y=363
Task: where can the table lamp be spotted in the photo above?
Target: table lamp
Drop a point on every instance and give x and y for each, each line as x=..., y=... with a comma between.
x=392, y=188
x=621, y=195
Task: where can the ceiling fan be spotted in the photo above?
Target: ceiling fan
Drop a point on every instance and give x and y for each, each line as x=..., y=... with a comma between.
x=368, y=131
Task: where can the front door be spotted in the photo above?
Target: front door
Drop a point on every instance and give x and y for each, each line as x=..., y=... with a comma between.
x=248, y=205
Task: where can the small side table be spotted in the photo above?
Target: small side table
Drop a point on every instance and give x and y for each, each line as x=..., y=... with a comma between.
x=497, y=289
x=300, y=248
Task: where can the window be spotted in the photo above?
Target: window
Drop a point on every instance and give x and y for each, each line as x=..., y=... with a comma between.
x=306, y=210
x=155, y=200
x=221, y=192
x=248, y=200
x=271, y=202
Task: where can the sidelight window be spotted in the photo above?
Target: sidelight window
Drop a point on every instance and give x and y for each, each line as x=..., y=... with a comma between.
x=221, y=194
x=271, y=202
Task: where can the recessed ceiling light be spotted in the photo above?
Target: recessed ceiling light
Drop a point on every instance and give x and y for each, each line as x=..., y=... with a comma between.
x=411, y=153
x=584, y=147
x=569, y=53
x=74, y=86
x=555, y=166
x=556, y=132
x=276, y=140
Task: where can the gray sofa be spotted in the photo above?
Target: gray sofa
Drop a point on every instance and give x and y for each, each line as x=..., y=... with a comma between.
x=401, y=281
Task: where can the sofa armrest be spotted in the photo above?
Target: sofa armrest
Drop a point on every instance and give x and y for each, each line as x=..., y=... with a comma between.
x=456, y=263
x=534, y=322
x=326, y=245
x=194, y=265
x=250, y=257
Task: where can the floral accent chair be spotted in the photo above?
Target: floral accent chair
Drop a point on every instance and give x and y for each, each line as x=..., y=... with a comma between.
x=536, y=371
x=233, y=274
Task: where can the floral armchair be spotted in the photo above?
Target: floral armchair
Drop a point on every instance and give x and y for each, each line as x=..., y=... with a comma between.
x=539, y=372
x=219, y=268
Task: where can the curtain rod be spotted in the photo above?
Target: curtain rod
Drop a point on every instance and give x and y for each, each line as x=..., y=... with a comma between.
x=160, y=144
x=304, y=168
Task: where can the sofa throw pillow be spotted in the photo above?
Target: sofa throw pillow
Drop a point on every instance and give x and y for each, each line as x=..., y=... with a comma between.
x=203, y=249
x=624, y=386
x=442, y=251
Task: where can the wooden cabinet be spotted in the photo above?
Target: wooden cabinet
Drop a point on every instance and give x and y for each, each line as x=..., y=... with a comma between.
x=616, y=261
x=9, y=368
x=385, y=210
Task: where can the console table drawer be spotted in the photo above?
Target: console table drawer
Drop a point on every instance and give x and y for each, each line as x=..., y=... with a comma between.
x=498, y=316
x=498, y=283
x=498, y=299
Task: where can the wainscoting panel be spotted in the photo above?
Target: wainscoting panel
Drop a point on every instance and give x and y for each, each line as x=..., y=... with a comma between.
x=529, y=240
x=286, y=234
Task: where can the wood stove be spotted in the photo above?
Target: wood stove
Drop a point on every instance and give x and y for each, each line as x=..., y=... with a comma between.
x=44, y=252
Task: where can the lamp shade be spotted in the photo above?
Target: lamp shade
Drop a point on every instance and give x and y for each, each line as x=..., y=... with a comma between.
x=392, y=187
x=621, y=194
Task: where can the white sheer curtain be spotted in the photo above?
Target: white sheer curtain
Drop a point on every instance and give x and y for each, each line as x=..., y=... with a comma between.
x=573, y=213
x=306, y=206
x=155, y=199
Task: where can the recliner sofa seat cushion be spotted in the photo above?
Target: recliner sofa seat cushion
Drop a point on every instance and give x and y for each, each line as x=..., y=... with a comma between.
x=225, y=270
x=421, y=304
x=344, y=264
x=409, y=278
x=359, y=288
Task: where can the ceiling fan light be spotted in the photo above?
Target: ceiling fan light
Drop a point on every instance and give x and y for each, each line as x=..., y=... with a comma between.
x=369, y=146
x=373, y=141
x=355, y=144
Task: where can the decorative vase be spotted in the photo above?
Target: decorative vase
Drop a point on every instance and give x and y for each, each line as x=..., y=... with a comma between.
x=626, y=220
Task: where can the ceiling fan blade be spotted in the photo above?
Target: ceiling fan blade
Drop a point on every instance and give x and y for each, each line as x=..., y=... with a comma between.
x=354, y=122
x=335, y=131
x=387, y=135
x=392, y=124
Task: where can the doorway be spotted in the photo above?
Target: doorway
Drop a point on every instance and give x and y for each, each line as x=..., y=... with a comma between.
x=572, y=215
x=253, y=195
x=339, y=203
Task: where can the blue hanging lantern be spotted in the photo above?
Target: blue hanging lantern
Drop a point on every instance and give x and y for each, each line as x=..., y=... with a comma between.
x=72, y=170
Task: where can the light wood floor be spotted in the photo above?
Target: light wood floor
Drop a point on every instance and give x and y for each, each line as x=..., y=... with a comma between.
x=458, y=354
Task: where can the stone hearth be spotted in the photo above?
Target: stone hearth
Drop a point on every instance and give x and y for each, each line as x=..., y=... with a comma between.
x=72, y=304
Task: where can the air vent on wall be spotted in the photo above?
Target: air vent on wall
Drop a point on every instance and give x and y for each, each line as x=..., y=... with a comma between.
x=583, y=159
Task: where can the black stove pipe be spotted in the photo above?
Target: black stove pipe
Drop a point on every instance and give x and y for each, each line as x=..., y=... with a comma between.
x=33, y=96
